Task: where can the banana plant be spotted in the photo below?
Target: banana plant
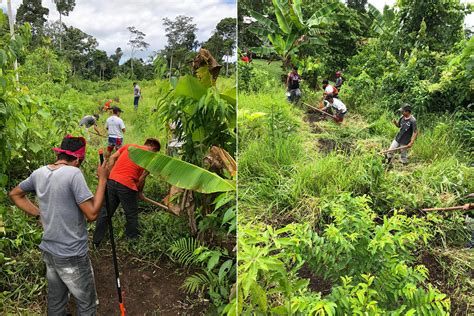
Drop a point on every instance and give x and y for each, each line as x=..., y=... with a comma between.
x=180, y=173
x=291, y=31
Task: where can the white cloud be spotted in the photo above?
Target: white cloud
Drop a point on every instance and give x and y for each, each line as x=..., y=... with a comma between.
x=107, y=20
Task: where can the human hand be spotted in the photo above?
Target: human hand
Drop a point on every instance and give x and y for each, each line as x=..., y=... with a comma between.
x=141, y=196
x=103, y=171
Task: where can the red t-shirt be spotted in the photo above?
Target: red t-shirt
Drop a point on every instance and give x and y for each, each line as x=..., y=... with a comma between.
x=125, y=171
x=245, y=59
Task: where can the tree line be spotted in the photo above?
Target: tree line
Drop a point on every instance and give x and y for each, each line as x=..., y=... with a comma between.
x=79, y=50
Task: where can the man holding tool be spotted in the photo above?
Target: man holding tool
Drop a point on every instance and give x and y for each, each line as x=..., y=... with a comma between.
x=338, y=106
x=124, y=186
x=65, y=202
x=90, y=120
x=405, y=137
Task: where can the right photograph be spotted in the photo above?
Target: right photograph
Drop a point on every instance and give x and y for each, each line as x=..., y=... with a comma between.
x=356, y=157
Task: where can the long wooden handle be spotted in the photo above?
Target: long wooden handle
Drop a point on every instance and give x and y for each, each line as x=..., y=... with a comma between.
x=395, y=149
x=166, y=208
x=452, y=208
x=97, y=134
x=320, y=111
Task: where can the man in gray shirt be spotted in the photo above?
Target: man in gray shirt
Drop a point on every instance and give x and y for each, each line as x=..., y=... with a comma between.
x=89, y=121
x=406, y=136
x=64, y=204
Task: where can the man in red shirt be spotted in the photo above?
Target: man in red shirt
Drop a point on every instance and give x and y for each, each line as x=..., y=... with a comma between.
x=125, y=186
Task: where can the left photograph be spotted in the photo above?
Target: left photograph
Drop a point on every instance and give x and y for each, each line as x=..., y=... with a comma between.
x=117, y=157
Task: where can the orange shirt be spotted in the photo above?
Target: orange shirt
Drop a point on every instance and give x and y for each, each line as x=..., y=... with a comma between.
x=125, y=171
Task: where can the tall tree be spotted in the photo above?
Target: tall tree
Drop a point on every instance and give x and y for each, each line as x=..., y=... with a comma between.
x=181, y=34
x=136, y=42
x=222, y=42
x=443, y=19
x=63, y=7
x=358, y=5
x=34, y=13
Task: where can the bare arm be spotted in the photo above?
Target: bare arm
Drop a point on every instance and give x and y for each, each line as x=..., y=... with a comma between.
x=395, y=122
x=97, y=130
x=18, y=196
x=91, y=207
x=141, y=184
x=123, y=130
x=287, y=81
x=413, y=137
x=113, y=159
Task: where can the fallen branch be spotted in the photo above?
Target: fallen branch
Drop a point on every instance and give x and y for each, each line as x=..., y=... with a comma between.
x=395, y=149
x=465, y=207
x=321, y=111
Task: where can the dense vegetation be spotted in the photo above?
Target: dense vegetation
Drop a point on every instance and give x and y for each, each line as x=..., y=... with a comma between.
x=325, y=228
x=54, y=92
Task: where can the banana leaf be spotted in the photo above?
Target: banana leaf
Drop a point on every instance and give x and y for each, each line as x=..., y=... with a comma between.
x=180, y=173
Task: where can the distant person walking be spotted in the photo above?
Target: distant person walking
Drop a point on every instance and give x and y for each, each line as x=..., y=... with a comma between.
x=406, y=136
x=115, y=129
x=137, y=94
x=90, y=120
x=125, y=187
x=64, y=204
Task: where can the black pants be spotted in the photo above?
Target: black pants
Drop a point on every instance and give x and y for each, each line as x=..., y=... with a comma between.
x=118, y=194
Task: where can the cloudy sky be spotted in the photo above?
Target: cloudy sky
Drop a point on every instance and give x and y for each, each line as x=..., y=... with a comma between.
x=107, y=20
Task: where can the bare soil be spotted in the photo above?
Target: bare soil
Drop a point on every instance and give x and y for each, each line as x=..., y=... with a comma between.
x=316, y=283
x=148, y=289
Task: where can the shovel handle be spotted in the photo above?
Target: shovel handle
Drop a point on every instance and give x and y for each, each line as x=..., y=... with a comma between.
x=452, y=208
x=395, y=149
x=320, y=111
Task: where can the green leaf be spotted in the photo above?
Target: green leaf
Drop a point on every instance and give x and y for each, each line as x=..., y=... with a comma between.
x=281, y=17
x=180, y=173
x=224, y=269
x=230, y=95
x=269, y=24
x=191, y=87
x=213, y=260
x=229, y=214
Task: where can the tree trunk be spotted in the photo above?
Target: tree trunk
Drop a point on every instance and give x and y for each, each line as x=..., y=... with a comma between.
x=12, y=34
x=60, y=31
x=227, y=66
x=171, y=66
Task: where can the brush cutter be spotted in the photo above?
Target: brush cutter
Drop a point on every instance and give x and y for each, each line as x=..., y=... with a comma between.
x=112, y=242
x=321, y=111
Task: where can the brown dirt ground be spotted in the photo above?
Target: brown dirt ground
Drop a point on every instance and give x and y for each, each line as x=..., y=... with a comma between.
x=316, y=283
x=149, y=289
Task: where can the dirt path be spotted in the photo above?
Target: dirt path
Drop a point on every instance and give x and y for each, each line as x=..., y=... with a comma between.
x=149, y=289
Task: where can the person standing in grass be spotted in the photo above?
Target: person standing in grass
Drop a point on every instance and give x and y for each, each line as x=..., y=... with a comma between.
x=406, y=136
x=90, y=120
x=338, y=106
x=339, y=81
x=115, y=128
x=137, y=94
x=125, y=186
x=293, y=85
x=64, y=204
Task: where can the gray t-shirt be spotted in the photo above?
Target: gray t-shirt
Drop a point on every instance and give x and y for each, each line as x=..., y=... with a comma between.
x=87, y=121
x=407, y=128
x=59, y=194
